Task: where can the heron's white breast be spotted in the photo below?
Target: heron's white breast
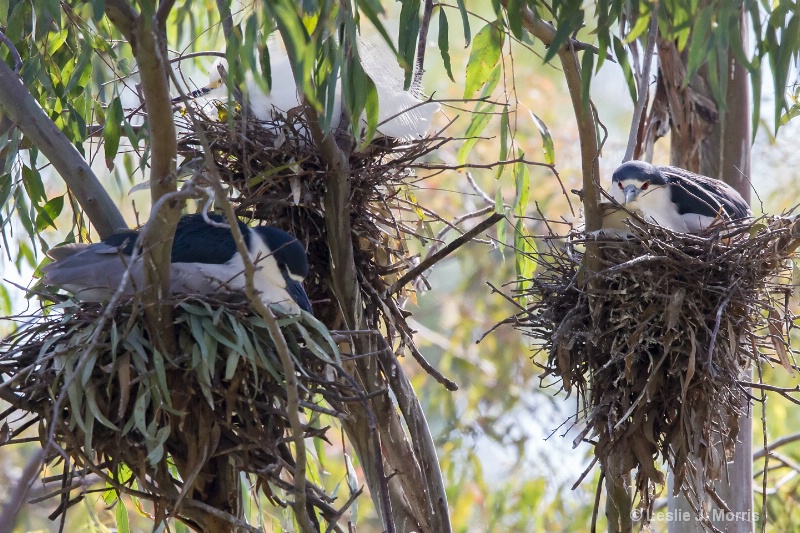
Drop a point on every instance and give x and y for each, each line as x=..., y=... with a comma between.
x=656, y=205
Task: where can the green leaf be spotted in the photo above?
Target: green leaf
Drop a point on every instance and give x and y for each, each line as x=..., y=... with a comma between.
x=98, y=9
x=32, y=180
x=485, y=53
x=465, y=22
x=5, y=188
x=296, y=40
x=523, y=258
x=319, y=327
x=55, y=40
x=499, y=207
x=231, y=364
x=161, y=374
x=94, y=409
x=700, y=43
x=407, y=38
x=522, y=182
x=312, y=345
x=3, y=13
x=504, y=130
x=49, y=212
x=121, y=516
x=444, y=44
x=156, y=444
x=515, y=9
x=547, y=139
x=371, y=108
x=622, y=59
x=112, y=130
x=478, y=123
x=642, y=23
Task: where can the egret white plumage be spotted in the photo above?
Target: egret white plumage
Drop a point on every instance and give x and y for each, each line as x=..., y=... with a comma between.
x=204, y=261
x=675, y=198
x=401, y=114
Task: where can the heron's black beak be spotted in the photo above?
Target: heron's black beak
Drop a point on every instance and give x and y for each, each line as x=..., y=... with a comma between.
x=631, y=193
x=296, y=291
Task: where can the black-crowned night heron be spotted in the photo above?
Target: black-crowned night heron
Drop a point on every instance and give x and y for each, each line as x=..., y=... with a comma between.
x=204, y=261
x=675, y=198
x=401, y=114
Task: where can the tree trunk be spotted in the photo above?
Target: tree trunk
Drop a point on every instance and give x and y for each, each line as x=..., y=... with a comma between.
x=720, y=149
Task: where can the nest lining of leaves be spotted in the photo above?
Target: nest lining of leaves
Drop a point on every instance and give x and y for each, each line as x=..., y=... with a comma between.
x=130, y=413
x=278, y=176
x=655, y=344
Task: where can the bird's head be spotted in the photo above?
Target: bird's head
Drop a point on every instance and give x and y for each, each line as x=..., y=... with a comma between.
x=291, y=260
x=634, y=177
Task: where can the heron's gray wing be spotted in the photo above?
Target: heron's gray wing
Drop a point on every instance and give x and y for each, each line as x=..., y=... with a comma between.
x=92, y=272
x=693, y=193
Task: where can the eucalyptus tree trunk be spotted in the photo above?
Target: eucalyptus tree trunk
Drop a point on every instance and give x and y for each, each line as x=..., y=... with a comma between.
x=716, y=143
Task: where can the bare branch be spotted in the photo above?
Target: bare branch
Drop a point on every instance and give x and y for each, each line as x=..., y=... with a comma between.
x=444, y=252
x=14, y=52
x=642, y=90
x=422, y=44
x=783, y=441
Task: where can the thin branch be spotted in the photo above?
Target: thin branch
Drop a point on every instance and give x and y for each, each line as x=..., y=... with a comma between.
x=422, y=44
x=14, y=52
x=783, y=441
x=643, y=88
x=162, y=13
x=444, y=252
x=227, y=517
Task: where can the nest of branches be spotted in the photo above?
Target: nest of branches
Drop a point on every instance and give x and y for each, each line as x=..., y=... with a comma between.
x=657, y=343
x=148, y=424
x=278, y=175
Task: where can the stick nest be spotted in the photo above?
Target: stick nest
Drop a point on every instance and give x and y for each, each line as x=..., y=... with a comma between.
x=278, y=176
x=656, y=342
x=127, y=413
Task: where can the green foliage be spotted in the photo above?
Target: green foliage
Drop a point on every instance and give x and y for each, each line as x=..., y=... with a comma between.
x=483, y=59
x=76, y=65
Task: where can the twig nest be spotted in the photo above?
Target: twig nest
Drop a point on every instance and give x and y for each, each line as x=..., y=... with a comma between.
x=94, y=380
x=278, y=176
x=655, y=343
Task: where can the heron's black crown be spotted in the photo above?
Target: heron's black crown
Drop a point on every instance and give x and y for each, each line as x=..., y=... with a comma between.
x=640, y=171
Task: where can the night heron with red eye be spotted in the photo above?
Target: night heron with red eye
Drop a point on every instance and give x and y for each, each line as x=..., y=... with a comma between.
x=675, y=198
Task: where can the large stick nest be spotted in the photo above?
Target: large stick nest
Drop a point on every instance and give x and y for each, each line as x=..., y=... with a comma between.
x=119, y=409
x=279, y=176
x=657, y=342
x=127, y=413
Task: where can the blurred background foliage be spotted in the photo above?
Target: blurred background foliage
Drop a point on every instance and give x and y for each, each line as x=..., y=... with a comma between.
x=506, y=454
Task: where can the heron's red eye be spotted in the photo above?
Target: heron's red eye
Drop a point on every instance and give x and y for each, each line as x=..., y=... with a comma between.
x=620, y=184
x=645, y=185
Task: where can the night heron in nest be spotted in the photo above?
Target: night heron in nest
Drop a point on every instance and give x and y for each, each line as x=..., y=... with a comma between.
x=402, y=114
x=675, y=198
x=204, y=261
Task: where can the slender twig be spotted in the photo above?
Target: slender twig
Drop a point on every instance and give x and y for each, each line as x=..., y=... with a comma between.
x=422, y=45
x=231, y=519
x=444, y=252
x=643, y=87
x=13, y=50
x=783, y=441
x=766, y=449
